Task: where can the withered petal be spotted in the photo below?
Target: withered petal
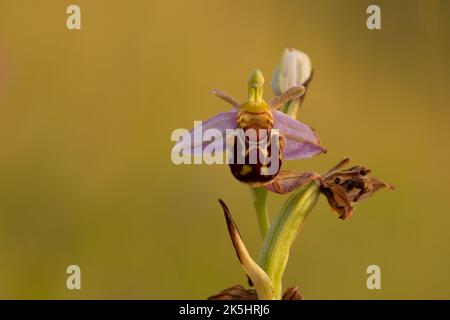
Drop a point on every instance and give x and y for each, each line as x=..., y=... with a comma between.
x=236, y=292
x=341, y=164
x=376, y=185
x=345, y=187
x=292, y=293
x=338, y=200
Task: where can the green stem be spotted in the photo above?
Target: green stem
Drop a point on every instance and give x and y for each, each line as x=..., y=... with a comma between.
x=283, y=231
x=291, y=108
x=260, y=204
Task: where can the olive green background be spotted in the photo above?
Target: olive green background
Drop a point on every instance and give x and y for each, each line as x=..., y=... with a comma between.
x=86, y=117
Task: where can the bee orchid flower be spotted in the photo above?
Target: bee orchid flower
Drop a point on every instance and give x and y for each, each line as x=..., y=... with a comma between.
x=248, y=135
x=296, y=140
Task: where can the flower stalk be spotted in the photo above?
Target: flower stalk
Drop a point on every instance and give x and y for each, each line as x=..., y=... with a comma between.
x=259, y=196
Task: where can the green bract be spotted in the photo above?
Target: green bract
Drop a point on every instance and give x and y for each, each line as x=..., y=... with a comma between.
x=283, y=231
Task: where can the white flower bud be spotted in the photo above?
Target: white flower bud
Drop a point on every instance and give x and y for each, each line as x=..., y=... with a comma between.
x=294, y=69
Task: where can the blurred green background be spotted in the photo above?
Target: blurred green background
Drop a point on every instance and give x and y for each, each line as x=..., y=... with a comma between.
x=85, y=124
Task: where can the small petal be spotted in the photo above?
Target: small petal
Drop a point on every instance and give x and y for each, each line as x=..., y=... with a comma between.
x=220, y=122
x=291, y=94
x=301, y=140
x=226, y=97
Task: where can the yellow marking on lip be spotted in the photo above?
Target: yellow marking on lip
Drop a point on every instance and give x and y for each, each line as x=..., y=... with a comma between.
x=246, y=169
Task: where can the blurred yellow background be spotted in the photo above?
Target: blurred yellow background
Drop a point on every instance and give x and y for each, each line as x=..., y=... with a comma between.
x=85, y=124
